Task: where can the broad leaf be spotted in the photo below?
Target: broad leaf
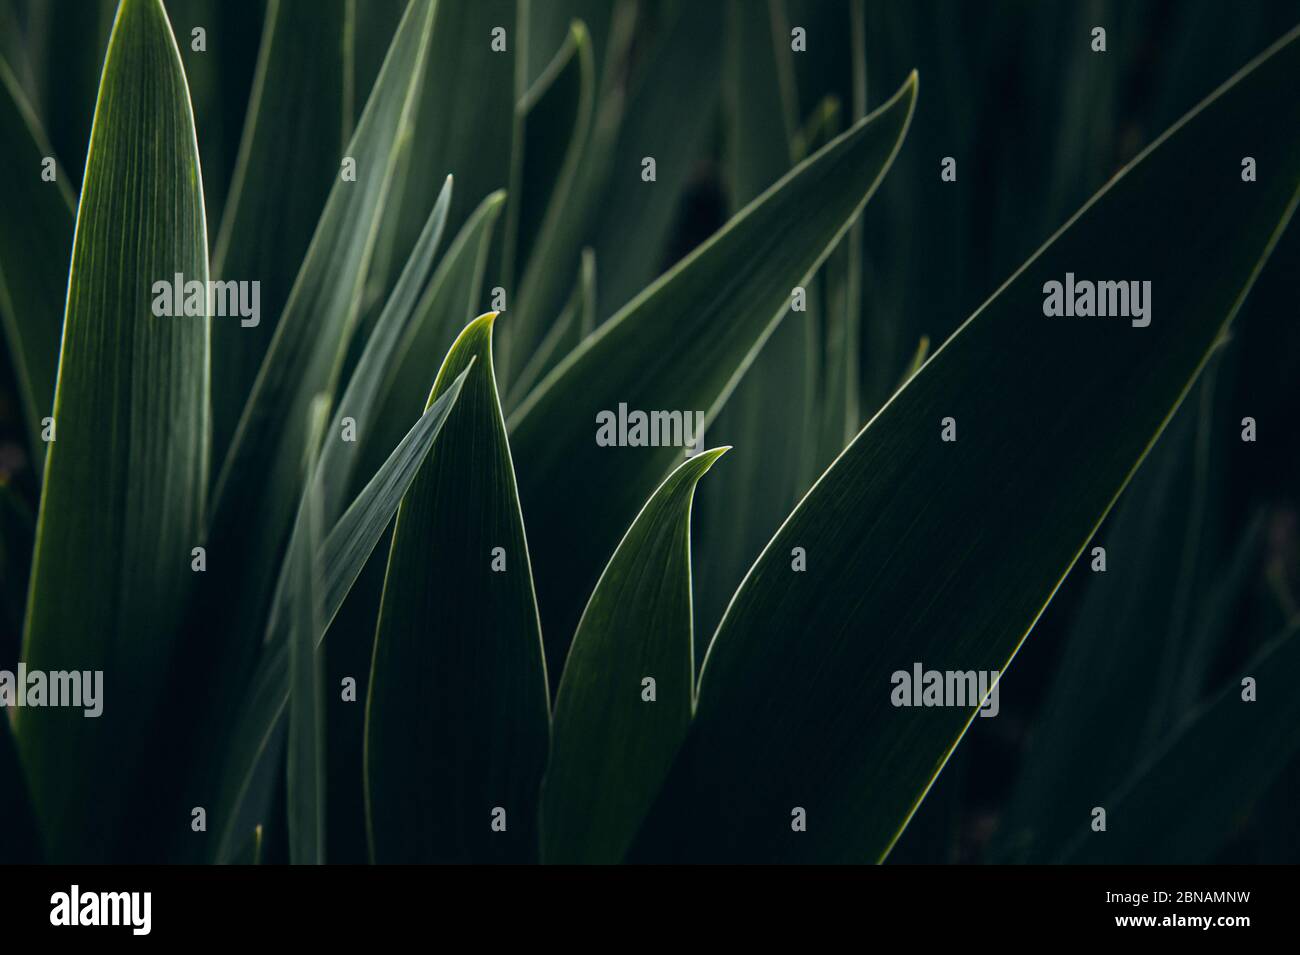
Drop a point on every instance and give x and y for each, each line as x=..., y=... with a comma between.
x=680, y=345
x=125, y=478
x=615, y=734
x=457, y=721
x=797, y=692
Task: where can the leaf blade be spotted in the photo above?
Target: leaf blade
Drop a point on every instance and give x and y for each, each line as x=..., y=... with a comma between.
x=1076, y=408
x=457, y=721
x=123, y=371
x=607, y=736
x=732, y=291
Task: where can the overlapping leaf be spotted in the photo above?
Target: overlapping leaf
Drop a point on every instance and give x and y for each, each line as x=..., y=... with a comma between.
x=628, y=688
x=795, y=699
x=457, y=722
x=680, y=345
x=345, y=552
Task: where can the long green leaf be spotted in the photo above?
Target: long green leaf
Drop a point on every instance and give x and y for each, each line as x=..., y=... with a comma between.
x=344, y=554
x=795, y=697
x=455, y=132
x=682, y=66
x=457, y=720
x=555, y=119
x=260, y=484
x=447, y=305
x=35, y=240
x=125, y=479
x=680, y=345
x=765, y=418
x=305, y=770
x=615, y=735
x=364, y=396
x=288, y=159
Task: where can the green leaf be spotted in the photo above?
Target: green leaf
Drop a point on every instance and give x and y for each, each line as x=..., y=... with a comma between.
x=766, y=416
x=608, y=738
x=345, y=552
x=683, y=67
x=555, y=120
x=35, y=241
x=404, y=314
x=261, y=482
x=457, y=723
x=305, y=771
x=288, y=159
x=1218, y=765
x=446, y=306
x=795, y=697
x=454, y=132
x=575, y=323
x=125, y=480
x=680, y=345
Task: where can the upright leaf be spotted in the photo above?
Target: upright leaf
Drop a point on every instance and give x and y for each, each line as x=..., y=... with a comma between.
x=289, y=157
x=305, y=772
x=341, y=559
x=682, y=67
x=455, y=133
x=457, y=718
x=555, y=119
x=628, y=688
x=796, y=697
x=125, y=479
x=680, y=345
x=260, y=483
